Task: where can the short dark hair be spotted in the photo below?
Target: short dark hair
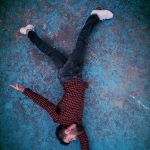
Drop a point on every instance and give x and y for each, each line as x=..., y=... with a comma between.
x=60, y=134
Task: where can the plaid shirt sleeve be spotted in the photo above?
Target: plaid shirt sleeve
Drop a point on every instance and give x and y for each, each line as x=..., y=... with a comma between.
x=43, y=102
x=84, y=141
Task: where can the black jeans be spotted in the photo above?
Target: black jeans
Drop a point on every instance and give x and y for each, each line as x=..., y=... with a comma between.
x=71, y=67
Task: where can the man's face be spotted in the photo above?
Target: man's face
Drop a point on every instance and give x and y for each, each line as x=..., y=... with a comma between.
x=69, y=138
x=70, y=134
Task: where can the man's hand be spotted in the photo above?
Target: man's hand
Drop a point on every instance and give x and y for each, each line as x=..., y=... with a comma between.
x=18, y=87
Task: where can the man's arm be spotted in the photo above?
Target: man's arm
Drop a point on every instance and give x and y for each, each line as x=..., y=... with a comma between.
x=84, y=141
x=40, y=100
x=43, y=102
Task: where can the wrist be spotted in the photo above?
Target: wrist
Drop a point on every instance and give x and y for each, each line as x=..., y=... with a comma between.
x=22, y=89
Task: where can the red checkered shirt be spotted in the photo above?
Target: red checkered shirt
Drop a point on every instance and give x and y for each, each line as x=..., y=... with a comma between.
x=71, y=106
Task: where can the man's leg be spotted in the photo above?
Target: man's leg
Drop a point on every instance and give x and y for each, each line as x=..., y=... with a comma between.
x=58, y=58
x=74, y=65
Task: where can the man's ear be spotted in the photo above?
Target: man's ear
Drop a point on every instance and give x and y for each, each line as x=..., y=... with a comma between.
x=67, y=131
x=72, y=127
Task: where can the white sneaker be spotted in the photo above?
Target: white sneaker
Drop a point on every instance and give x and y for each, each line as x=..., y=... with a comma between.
x=25, y=30
x=103, y=14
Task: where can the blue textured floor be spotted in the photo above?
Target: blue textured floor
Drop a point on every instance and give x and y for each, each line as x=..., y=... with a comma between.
x=117, y=67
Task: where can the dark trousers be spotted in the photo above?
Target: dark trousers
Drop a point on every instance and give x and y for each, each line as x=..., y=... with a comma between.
x=71, y=67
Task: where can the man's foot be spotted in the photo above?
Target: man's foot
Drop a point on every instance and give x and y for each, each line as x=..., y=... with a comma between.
x=25, y=30
x=103, y=14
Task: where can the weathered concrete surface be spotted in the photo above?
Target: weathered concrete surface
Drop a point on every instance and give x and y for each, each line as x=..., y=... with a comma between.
x=117, y=67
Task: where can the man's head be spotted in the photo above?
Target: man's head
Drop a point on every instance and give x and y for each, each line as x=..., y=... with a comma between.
x=66, y=135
